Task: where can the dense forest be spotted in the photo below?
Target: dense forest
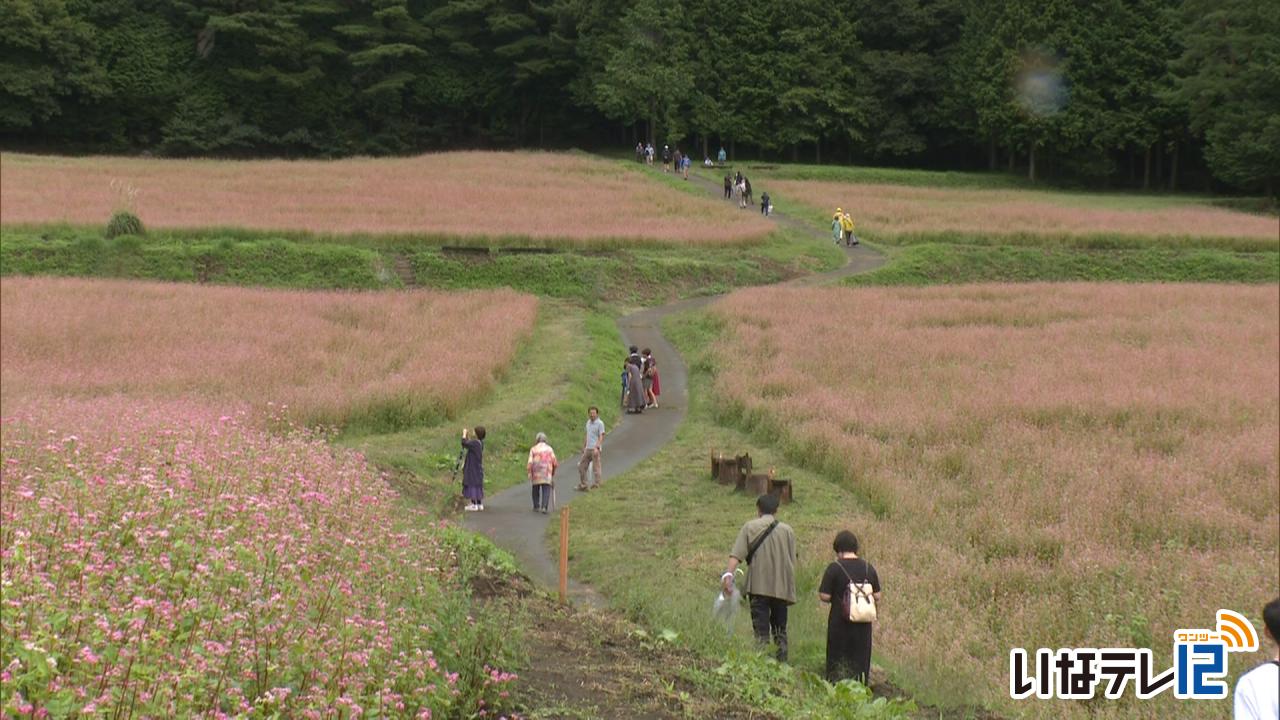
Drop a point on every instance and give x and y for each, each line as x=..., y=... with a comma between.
x=1138, y=93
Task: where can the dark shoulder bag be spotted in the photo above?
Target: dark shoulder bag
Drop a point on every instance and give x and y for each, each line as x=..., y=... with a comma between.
x=755, y=544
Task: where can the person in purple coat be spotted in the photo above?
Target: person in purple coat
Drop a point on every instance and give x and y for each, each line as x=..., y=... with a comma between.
x=473, y=469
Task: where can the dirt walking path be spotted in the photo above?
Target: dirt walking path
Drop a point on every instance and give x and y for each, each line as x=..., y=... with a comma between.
x=585, y=665
x=508, y=518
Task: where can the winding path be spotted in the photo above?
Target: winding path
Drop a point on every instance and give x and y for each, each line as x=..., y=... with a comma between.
x=508, y=518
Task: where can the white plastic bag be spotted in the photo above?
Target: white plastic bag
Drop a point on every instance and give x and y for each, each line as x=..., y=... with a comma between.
x=725, y=608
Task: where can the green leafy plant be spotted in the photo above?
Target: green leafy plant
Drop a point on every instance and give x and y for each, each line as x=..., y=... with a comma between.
x=791, y=692
x=124, y=221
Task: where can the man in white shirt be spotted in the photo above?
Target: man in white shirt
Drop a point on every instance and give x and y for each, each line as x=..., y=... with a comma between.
x=1257, y=695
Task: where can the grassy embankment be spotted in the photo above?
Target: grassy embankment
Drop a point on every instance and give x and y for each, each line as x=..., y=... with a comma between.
x=931, y=238
x=642, y=274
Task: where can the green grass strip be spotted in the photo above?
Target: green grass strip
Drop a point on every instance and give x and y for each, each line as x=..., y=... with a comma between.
x=936, y=263
x=268, y=262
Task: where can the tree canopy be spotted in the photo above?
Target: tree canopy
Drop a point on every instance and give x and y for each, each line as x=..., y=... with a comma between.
x=1139, y=92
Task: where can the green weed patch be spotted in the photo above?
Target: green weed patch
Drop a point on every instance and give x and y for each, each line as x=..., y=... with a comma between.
x=264, y=261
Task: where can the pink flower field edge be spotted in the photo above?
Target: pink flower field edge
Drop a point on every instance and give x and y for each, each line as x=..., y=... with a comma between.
x=162, y=561
x=1068, y=465
x=329, y=357
x=469, y=194
x=890, y=211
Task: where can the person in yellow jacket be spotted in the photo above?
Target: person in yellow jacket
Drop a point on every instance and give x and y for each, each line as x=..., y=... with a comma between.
x=846, y=224
x=837, y=228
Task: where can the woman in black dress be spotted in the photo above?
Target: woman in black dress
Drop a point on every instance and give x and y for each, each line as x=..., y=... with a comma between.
x=848, y=644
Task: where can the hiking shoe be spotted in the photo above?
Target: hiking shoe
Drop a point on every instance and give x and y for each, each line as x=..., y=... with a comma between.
x=582, y=487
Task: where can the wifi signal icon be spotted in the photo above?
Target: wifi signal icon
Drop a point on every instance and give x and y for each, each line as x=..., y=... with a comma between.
x=1236, y=632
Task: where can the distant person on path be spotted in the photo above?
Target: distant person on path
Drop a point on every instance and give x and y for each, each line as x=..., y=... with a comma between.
x=848, y=643
x=626, y=381
x=846, y=224
x=640, y=152
x=666, y=158
x=648, y=154
x=687, y=162
x=678, y=160
x=541, y=466
x=769, y=547
x=592, y=446
x=720, y=157
x=635, y=387
x=837, y=226
x=728, y=186
x=706, y=161
x=765, y=207
x=651, y=387
x=1257, y=695
x=473, y=469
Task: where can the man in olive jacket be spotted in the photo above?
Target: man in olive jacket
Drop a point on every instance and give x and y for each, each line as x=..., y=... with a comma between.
x=769, y=547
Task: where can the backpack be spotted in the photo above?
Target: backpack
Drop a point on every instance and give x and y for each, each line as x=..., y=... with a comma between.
x=859, y=600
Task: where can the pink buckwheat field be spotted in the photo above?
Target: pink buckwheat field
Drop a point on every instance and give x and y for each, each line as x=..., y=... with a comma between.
x=518, y=194
x=1065, y=465
x=176, y=540
x=895, y=213
x=164, y=561
x=330, y=357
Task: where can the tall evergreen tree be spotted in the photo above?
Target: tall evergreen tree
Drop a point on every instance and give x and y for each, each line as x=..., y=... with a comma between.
x=46, y=56
x=648, y=75
x=903, y=83
x=1230, y=83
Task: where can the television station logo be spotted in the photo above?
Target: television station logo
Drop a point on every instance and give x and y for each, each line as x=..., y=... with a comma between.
x=1198, y=672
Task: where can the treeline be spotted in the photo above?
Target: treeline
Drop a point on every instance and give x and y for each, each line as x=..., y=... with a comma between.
x=1142, y=92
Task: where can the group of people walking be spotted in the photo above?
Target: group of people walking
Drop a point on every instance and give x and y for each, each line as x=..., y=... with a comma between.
x=842, y=228
x=672, y=160
x=739, y=186
x=849, y=584
x=766, y=545
x=641, y=386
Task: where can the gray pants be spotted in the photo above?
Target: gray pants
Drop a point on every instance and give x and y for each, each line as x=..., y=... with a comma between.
x=590, y=458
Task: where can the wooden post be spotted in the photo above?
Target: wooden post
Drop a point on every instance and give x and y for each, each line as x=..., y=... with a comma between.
x=564, y=554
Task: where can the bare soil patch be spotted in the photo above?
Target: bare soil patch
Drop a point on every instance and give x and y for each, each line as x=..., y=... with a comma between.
x=593, y=664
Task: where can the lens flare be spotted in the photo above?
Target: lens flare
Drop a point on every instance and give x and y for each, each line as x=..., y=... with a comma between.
x=1040, y=87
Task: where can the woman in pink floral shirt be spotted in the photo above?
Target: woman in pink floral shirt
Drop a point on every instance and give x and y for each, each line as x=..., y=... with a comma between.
x=542, y=470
